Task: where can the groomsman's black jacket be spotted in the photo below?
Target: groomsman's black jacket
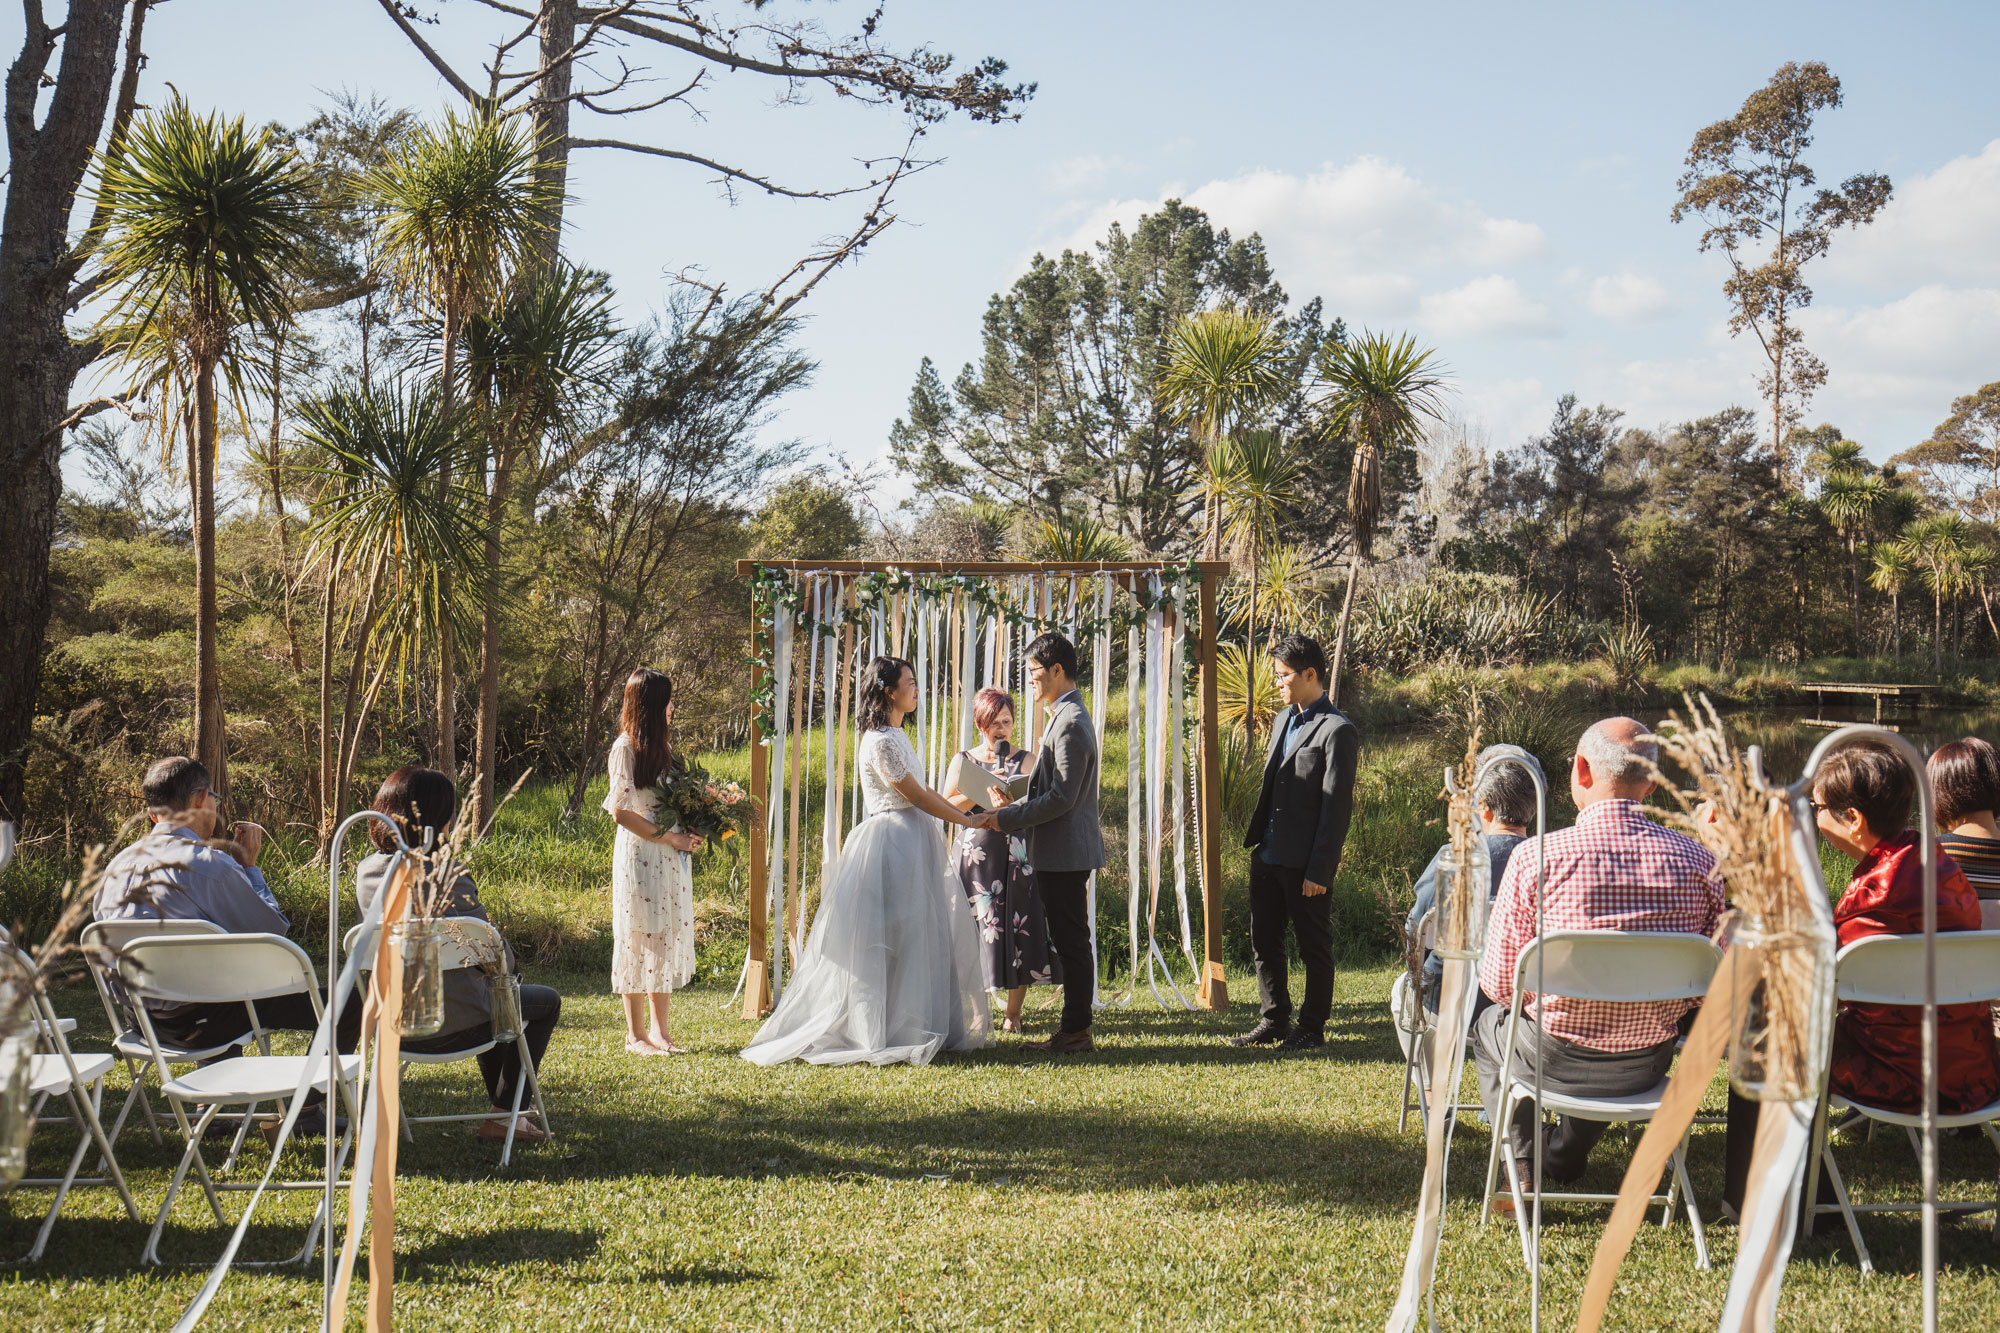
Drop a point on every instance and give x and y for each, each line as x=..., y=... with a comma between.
x=1308, y=795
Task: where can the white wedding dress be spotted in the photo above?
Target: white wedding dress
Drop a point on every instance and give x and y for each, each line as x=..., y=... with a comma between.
x=890, y=973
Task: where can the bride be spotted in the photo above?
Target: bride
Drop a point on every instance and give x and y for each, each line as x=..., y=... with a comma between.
x=890, y=973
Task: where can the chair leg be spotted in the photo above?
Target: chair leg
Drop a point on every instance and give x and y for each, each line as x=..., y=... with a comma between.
x=151, y=1254
x=201, y=1165
x=320, y=1219
x=1493, y=1160
x=403, y=1107
x=1847, y=1209
x=242, y=1132
x=1523, y=1202
x=83, y=1146
x=1693, y=1209
x=1403, y=1120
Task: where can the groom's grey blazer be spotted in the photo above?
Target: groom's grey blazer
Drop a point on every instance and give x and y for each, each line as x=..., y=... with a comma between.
x=1059, y=813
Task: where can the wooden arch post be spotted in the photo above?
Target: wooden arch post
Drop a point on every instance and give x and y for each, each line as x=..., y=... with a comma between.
x=1213, y=987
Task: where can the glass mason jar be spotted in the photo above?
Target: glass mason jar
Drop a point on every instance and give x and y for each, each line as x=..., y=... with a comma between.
x=1464, y=883
x=1781, y=1010
x=17, y=1059
x=504, y=991
x=420, y=940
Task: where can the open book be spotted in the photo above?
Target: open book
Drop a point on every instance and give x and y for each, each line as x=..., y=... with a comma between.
x=982, y=786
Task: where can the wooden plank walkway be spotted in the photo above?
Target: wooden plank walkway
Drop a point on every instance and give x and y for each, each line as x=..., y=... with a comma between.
x=1879, y=691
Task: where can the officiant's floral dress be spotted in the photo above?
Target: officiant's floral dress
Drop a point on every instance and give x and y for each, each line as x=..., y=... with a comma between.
x=652, y=896
x=1000, y=885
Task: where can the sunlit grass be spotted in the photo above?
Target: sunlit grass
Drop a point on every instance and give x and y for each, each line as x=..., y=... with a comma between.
x=1170, y=1182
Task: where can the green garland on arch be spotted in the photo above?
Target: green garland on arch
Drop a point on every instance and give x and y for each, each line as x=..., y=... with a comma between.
x=772, y=587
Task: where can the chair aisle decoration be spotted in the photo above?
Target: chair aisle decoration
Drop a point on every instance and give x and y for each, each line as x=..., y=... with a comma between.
x=1456, y=926
x=964, y=626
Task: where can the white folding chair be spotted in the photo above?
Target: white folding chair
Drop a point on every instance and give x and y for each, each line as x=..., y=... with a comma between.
x=1889, y=969
x=1415, y=1030
x=232, y=969
x=468, y=942
x=1612, y=967
x=79, y=1079
x=103, y=940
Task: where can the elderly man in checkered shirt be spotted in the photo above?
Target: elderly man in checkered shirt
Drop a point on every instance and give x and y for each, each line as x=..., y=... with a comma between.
x=1615, y=869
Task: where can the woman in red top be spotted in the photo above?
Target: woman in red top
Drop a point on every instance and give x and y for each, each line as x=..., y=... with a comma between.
x=1863, y=797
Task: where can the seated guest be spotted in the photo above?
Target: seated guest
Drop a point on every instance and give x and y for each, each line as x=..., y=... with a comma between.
x=176, y=872
x=1863, y=796
x=422, y=800
x=1965, y=777
x=1615, y=869
x=1505, y=804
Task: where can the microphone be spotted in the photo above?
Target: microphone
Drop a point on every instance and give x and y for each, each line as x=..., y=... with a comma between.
x=1001, y=749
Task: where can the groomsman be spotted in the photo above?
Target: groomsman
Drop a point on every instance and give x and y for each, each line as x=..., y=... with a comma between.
x=1058, y=820
x=1297, y=833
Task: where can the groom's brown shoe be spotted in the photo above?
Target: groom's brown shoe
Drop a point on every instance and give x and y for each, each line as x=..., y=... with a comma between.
x=1063, y=1043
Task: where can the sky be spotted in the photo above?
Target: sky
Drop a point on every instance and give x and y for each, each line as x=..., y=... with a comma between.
x=1495, y=179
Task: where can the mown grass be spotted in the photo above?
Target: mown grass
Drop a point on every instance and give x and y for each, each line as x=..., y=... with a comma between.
x=1172, y=1182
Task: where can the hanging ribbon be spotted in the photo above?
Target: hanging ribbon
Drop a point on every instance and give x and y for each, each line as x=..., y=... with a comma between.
x=1420, y=1261
x=774, y=794
x=1135, y=740
x=1100, y=687
x=1177, y=732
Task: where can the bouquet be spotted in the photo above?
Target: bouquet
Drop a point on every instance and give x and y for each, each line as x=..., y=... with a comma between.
x=688, y=795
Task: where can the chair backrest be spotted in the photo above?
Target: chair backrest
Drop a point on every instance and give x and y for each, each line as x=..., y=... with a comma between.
x=1889, y=969
x=215, y=969
x=1620, y=966
x=115, y=935
x=44, y=1014
x=466, y=941
x=1427, y=931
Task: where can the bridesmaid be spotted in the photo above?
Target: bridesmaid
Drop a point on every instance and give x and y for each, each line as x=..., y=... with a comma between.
x=1013, y=932
x=652, y=881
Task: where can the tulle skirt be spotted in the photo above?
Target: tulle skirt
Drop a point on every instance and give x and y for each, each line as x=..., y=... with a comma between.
x=890, y=973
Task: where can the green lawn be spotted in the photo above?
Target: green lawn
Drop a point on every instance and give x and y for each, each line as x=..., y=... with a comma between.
x=1170, y=1182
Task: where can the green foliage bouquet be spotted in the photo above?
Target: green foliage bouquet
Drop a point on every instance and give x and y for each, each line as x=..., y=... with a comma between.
x=688, y=795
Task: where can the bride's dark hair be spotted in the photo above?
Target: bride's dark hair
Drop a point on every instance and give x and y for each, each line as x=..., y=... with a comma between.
x=644, y=722
x=884, y=674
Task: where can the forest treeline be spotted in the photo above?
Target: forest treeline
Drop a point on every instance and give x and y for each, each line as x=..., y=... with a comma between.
x=383, y=478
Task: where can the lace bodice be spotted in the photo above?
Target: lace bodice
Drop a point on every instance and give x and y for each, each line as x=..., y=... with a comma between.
x=887, y=757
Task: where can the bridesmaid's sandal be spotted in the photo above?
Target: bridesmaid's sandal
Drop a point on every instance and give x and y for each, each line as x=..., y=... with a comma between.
x=641, y=1046
x=664, y=1045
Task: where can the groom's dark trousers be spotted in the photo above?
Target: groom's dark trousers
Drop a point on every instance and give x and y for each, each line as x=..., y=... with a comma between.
x=1066, y=905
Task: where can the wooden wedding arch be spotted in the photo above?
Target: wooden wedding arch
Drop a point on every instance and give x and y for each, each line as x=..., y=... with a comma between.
x=965, y=623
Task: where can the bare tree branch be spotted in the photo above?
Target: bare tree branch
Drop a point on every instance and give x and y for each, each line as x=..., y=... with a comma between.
x=833, y=255
x=768, y=186
x=460, y=86
x=82, y=412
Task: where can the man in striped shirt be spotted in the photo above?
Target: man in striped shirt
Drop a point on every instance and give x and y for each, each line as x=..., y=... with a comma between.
x=1615, y=869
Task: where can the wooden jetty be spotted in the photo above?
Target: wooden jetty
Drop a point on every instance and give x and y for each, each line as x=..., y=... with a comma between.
x=1822, y=688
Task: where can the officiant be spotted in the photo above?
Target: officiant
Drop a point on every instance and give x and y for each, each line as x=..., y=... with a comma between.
x=998, y=881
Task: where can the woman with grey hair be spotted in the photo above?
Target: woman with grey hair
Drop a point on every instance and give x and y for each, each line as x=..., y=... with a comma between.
x=1504, y=800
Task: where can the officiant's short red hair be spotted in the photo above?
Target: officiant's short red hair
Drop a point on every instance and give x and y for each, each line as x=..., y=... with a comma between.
x=989, y=704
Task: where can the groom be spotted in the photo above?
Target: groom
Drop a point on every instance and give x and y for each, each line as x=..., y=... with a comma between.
x=1296, y=835
x=1059, y=818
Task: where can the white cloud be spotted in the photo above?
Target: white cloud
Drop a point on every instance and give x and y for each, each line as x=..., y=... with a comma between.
x=1084, y=172
x=1915, y=353
x=1484, y=306
x=1937, y=228
x=1628, y=298
x=1367, y=235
